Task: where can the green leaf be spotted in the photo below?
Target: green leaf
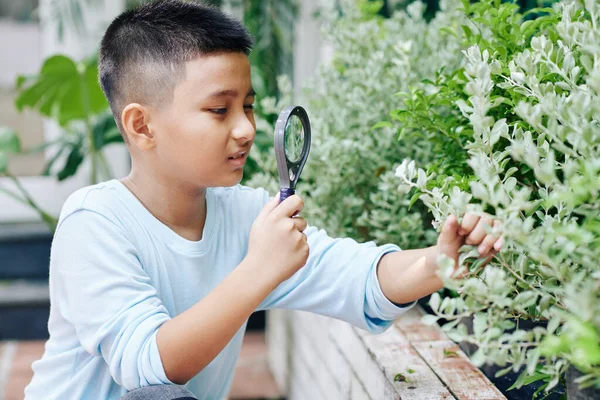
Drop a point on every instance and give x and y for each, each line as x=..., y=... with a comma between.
x=9, y=141
x=74, y=160
x=53, y=160
x=414, y=199
x=479, y=323
x=105, y=131
x=450, y=353
x=467, y=31
x=370, y=9
x=382, y=124
x=63, y=90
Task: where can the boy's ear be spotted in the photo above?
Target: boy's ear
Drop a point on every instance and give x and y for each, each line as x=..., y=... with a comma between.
x=135, y=119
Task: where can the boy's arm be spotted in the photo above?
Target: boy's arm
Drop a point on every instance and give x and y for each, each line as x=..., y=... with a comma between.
x=406, y=276
x=191, y=340
x=99, y=286
x=412, y=274
x=339, y=280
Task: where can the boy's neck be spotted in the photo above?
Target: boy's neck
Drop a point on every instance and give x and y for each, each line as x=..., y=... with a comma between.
x=181, y=210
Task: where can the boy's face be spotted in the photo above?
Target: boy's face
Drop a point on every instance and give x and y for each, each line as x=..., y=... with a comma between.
x=209, y=120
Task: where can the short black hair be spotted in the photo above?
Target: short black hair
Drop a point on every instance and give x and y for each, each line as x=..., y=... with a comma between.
x=144, y=50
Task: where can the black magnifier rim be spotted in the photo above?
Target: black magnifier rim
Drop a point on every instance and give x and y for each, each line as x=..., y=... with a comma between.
x=283, y=163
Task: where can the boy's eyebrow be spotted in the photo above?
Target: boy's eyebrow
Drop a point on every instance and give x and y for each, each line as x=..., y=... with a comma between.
x=229, y=93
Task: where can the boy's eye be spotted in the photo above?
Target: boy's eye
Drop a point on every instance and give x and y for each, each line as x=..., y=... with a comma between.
x=223, y=111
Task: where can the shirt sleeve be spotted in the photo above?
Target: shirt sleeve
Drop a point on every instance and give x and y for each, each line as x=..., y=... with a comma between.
x=101, y=288
x=339, y=280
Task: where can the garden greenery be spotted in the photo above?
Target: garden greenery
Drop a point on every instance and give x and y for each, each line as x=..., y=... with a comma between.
x=349, y=178
x=482, y=109
x=527, y=108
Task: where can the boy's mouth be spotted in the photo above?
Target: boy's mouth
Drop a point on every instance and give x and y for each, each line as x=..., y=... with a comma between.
x=238, y=155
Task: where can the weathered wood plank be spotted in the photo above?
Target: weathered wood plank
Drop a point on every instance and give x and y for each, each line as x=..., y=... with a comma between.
x=465, y=380
x=303, y=385
x=416, y=331
x=332, y=359
x=395, y=355
x=320, y=370
x=278, y=342
x=358, y=391
x=361, y=362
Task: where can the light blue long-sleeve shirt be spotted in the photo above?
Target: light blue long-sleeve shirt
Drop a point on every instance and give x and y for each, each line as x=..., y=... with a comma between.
x=117, y=274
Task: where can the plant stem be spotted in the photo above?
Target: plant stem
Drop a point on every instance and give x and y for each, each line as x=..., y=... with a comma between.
x=28, y=200
x=107, y=170
x=88, y=127
x=505, y=265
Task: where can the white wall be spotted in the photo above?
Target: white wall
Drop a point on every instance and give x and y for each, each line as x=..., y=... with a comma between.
x=20, y=50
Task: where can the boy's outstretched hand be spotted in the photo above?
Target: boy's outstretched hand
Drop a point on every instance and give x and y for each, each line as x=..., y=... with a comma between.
x=277, y=245
x=472, y=231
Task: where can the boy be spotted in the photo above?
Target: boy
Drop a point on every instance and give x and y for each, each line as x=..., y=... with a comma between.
x=153, y=277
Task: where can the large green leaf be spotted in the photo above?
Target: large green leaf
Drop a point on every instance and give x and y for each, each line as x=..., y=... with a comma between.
x=63, y=90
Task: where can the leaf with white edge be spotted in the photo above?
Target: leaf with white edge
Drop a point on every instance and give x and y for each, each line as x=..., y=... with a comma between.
x=479, y=324
x=429, y=319
x=422, y=179
x=434, y=301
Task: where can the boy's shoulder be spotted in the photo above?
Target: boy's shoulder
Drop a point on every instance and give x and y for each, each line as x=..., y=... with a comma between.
x=100, y=198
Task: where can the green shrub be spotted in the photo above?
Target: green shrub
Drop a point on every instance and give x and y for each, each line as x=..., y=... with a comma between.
x=523, y=113
x=481, y=106
x=349, y=181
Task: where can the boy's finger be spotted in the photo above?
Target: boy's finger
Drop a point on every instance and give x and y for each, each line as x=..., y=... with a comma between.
x=270, y=206
x=499, y=243
x=487, y=244
x=300, y=223
x=476, y=236
x=450, y=230
x=289, y=206
x=468, y=223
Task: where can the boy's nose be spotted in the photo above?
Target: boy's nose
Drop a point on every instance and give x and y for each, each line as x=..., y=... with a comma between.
x=244, y=129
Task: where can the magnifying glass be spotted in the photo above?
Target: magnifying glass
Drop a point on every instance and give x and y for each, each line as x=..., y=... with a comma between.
x=292, y=144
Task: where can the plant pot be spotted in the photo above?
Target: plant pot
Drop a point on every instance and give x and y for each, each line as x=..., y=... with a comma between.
x=507, y=380
x=574, y=392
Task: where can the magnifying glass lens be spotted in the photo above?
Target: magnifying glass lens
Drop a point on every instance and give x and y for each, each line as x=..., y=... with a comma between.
x=294, y=139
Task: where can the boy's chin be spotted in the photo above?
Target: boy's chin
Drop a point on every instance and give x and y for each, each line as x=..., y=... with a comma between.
x=233, y=178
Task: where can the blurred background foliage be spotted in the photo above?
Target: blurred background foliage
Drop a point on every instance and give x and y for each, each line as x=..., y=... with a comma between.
x=67, y=92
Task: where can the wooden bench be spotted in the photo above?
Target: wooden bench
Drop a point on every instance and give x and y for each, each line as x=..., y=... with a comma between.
x=314, y=357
